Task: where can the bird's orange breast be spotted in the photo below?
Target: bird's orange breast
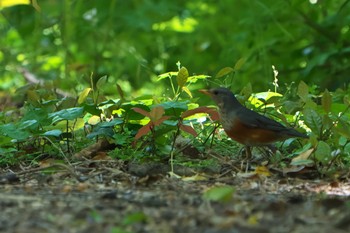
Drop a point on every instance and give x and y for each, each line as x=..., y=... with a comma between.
x=251, y=136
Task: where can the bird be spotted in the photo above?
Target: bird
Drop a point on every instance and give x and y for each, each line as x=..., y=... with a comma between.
x=247, y=126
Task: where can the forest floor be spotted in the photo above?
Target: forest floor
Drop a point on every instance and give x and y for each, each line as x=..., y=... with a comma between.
x=115, y=197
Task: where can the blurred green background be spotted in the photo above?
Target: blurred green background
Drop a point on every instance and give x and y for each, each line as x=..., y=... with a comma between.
x=65, y=41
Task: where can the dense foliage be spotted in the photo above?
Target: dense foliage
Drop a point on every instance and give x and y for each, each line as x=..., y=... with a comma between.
x=132, y=41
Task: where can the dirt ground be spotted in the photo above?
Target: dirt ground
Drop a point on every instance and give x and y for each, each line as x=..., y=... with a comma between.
x=115, y=197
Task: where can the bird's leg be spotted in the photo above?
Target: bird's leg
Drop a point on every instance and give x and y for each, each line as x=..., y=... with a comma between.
x=248, y=153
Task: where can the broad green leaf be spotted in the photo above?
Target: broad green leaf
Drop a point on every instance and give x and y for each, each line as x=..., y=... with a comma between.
x=175, y=104
x=83, y=95
x=182, y=77
x=27, y=124
x=323, y=152
x=67, y=114
x=13, y=132
x=224, y=71
x=313, y=120
x=303, y=90
x=55, y=133
x=326, y=101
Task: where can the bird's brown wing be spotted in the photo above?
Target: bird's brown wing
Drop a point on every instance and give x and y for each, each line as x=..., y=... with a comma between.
x=252, y=119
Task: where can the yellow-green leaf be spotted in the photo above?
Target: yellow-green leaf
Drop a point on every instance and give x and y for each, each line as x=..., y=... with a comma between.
x=220, y=194
x=185, y=89
x=9, y=3
x=182, y=77
x=224, y=71
x=239, y=64
x=326, y=101
x=83, y=95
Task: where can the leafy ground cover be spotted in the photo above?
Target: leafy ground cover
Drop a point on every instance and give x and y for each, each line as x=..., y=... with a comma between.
x=162, y=163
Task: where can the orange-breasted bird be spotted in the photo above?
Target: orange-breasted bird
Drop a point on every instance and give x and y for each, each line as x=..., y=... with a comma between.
x=246, y=126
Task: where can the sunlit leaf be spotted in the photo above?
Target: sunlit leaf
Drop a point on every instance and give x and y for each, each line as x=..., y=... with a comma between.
x=166, y=75
x=220, y=194
x=303, y=158
x=262, y=171
x=83, y=95
x=185, y=89
x=202, y=109
x=94, y=120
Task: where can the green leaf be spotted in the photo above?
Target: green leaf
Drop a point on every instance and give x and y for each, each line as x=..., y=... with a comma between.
x=303, y=90
x=313, y=120
x=220, y=194
x=182, y=77
x=83, y=95
x=323, y=152
x=67, y=114
x=101, y=82
x=224, y=71
x=10, y=130
x=55, y=133
x=137, y=217
x=326, y=101
x=239, y=64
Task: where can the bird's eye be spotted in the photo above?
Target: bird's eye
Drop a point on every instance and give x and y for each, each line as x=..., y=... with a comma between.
x=215, y=92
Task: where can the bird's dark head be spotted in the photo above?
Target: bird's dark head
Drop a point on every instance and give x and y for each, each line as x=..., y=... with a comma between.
x=222, y=96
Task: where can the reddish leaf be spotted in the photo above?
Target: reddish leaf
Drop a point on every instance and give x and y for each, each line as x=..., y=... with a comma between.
x=160, y=120
x=143, y=131
x=188, y=129
x=214, y=115
x=142, y=112
x=191, y=112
